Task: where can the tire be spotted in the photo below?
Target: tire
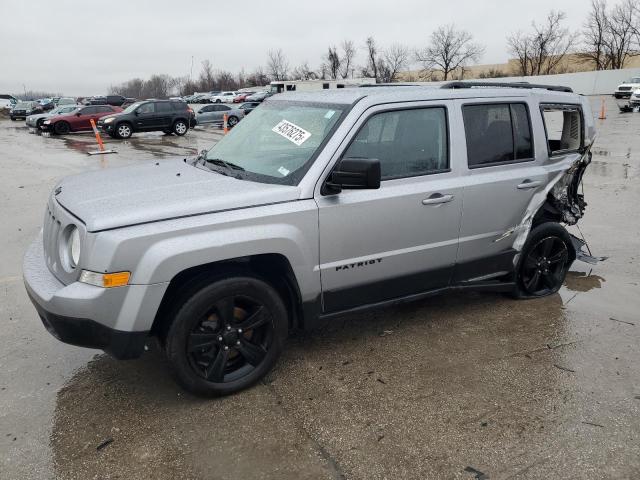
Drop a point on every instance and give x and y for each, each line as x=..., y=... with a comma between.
x=544, y=261
x=61, y=128
x=124, y=130
x=226, y=335
x=232, y=121
x=180, y=127
x=39, y=123
x=218, y=100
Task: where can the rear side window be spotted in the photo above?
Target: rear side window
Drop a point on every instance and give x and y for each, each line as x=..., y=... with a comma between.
x=563, y=125
x=497, y=134
x=89, y=110
x=408, y=143
x=163, y=107
x=104, y=109
x=179, y=105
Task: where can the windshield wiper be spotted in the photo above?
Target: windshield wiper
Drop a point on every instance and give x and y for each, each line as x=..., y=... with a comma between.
x=222, y=163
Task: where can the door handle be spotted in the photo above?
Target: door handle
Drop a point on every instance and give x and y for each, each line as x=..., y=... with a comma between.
x=527, y=184
x=437, y=199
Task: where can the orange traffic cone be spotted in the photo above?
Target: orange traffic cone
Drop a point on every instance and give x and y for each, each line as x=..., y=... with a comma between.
x=603, y=112
x=225, y=124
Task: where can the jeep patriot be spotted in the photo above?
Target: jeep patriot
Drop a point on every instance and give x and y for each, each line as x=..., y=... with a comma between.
x=316, y=205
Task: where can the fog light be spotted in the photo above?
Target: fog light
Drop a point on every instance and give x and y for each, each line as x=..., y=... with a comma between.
x=105, y=280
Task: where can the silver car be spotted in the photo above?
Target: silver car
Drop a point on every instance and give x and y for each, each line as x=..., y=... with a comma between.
x=214, y=113
x=35, y=121
x=316, y=205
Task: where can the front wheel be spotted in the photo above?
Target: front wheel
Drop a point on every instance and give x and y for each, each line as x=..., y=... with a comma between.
x=180, y=127
x=226, y=336
x=61, y=128
x=544, y=262
x=124, y=130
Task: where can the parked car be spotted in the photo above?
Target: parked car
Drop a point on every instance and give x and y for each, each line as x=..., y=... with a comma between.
x=66, y=101
x=47, y=104
x=7, y=101
x=77, y=120
x=223, y=97
x=625, y=89
x=113, y=100
x=22, y=110
x=242, y=96
x=259, y=97
x=223, y=254
x=200, y=98
x=215, y=114
x=166, y=116
x=36, y=120
x=248, y=107
x=634, y=101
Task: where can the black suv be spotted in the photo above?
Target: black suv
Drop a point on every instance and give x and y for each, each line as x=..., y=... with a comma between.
x=113, y=100
x=168, y=116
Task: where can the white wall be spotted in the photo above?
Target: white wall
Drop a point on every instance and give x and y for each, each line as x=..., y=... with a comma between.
x=602, y=82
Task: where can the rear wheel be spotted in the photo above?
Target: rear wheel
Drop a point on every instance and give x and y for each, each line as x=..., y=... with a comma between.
x=124, y=130
x=226, y=335
x=232, y=121
x=180, y=127
x=61, y=128
x=544, y=261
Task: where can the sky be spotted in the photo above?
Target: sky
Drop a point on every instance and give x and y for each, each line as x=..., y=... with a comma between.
x=82, y=47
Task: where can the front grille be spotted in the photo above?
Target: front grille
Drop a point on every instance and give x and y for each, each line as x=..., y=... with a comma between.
x=624, y=89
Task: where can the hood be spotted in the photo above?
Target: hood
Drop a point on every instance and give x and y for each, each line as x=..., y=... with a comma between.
x=156, y=191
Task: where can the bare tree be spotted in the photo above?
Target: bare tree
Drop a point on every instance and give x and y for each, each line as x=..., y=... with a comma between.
x=595, y=35
x=348, y=55
x=542, y=51
x=207, y=77
x=449, y=49
x=333, y=62
x=371, y=69
x=304, y=72
x=277, y=65
x=392, y=61
x=257, y=78
x=624, y=26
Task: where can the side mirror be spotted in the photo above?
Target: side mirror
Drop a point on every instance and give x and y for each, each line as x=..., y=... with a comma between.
x=355, y=174
x=78, y=114
x=136, y=112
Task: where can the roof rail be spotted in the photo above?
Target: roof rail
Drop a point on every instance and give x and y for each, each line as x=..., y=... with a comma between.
x=554, y=88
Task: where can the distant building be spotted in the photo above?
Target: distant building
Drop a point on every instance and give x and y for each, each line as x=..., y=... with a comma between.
x=310, y=85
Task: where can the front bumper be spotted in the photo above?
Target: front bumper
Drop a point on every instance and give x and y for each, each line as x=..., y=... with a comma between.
x=624, y=94
x=116, y=320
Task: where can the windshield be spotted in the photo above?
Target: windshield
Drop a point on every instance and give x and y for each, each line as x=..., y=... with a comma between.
x=132, y=107
x=65, y=109
x=23, y=105
x=634, y=80
x=277, y=142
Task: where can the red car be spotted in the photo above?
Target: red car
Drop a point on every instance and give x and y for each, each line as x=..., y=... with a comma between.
x=242, y=97
x=78, y=120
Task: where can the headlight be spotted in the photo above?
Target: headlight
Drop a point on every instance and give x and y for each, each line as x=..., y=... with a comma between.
x=109, y=120
x=47, y=122
x=74, y=247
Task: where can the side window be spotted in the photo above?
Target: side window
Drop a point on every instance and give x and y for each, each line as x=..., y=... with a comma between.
x=104, y=109
x=89, y=110
x=497, y=134
x=146, y=108
x=163, y=107
x=407, y=142
x=563, y=125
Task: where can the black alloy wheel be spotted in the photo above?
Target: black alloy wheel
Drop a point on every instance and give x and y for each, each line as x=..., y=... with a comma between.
x=545, y=267
x=226, y=336
x=544, y=262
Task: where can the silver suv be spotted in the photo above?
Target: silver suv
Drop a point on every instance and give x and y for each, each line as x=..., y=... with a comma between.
x=316, y=205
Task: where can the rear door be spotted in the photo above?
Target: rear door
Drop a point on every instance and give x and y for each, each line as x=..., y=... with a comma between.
x=82, y=121
x=503, y=172
x=399, y=240
x=164, y=115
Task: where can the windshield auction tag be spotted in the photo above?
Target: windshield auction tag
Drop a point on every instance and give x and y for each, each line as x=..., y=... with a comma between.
x=292, y=132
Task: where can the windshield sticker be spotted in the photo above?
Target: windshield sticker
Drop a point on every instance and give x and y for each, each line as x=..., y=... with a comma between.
x=291, y=132
x=283, y=171
x=329, y=114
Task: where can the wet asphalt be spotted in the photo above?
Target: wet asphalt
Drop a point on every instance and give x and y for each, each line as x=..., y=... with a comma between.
x=458, y=386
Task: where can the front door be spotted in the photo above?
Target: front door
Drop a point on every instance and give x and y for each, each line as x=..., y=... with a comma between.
x=145, y=116
x=401, y=239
